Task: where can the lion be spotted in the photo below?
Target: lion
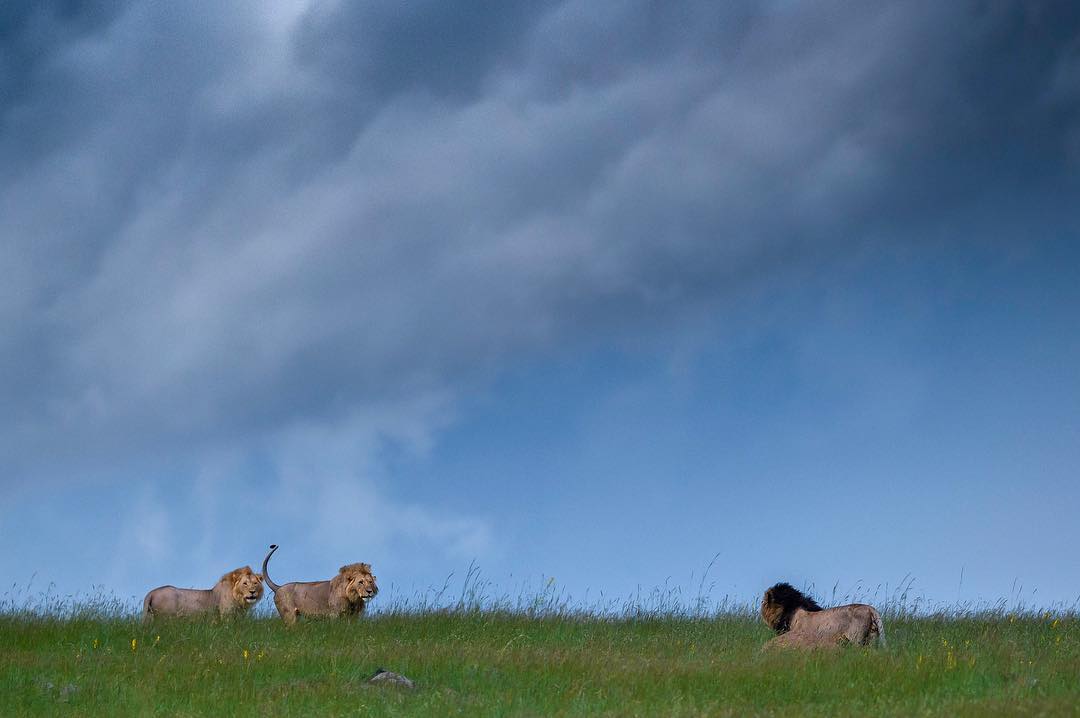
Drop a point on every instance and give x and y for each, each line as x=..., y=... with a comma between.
x=344, y=596
x=234, y=593
x=801, y=623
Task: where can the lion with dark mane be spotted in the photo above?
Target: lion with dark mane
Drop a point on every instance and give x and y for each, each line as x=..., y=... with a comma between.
x=345, y=595
x=234, y=593
x=801, y=623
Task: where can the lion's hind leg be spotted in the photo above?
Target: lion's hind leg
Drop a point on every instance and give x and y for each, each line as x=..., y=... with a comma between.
x=286, y=606
x=876, y=634
x=148, y=608
x=868, y=630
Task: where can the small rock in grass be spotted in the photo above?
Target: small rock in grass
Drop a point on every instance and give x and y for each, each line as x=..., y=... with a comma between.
x=65, y=691
x=384, y=677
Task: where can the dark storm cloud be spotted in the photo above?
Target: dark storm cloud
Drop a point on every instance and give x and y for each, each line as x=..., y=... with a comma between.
x=31, y=31
x=216, y=222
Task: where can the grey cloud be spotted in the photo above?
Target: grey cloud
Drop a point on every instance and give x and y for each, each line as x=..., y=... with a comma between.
x=32, y=31
x=229, y=227
x=385, y=48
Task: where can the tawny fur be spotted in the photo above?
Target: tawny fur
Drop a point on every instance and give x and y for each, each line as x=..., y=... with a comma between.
x=801, y=623
x=234, y=593
x=344, y=596
x=804, y=641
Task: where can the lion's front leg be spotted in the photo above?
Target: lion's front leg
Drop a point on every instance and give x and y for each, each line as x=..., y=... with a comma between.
x=226, y=608
x=338, y=604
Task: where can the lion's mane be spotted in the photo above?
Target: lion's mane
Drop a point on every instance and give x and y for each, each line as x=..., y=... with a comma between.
x=780, y=602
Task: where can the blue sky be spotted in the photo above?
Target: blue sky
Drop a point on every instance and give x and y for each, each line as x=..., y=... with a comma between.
x=592, y=291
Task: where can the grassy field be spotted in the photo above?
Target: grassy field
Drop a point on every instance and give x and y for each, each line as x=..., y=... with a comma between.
x=478, y=663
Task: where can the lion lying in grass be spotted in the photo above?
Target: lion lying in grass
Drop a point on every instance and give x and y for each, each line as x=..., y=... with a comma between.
x=801, y=623
x=345, y=595
x=235, y=592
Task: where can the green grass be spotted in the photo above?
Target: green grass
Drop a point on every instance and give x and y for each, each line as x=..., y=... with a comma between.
x=478, y=663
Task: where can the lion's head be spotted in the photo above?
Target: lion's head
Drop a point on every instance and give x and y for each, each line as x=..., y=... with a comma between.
x=780, y=602
x=245, y=584
x=357, y=582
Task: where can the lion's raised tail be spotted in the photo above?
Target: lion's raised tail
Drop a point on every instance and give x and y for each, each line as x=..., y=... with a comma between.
x=266, y=578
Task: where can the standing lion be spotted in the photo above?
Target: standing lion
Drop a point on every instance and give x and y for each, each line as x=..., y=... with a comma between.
x=345, y=595
x=234, y=593
x=801, y=623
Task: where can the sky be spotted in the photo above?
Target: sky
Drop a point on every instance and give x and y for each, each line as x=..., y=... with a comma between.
x=595, y=297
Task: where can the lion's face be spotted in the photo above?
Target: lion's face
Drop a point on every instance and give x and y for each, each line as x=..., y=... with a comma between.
x=359, y=582
x=247, y=587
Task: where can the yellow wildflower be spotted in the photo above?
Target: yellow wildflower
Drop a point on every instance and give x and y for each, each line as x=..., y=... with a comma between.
x=245, y=654
x=134, y=644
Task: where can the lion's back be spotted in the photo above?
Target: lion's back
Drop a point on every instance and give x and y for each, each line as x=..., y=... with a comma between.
x=170, y=600
x=309, y=597
x=160, y=600
x=858, y=622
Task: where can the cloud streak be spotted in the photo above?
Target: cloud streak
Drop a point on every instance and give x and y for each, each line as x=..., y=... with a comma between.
x=254, y=223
